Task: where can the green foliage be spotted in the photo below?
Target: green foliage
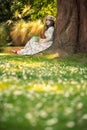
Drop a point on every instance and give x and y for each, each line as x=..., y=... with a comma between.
x=43, y=8
x=5, y=10
x=39, y=93
x=4, y=36
x=49, y=9
x=26, y=9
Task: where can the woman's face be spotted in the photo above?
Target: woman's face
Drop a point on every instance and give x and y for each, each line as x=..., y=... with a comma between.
x=48, y=22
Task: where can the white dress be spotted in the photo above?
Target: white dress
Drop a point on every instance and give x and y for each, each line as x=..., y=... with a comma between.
x=33, y=46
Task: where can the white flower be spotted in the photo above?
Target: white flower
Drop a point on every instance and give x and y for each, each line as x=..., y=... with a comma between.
x=84, y=116
x=79, y=105
x=70, y=124
x=43, y=114
x=17, y=92
x=52, y=121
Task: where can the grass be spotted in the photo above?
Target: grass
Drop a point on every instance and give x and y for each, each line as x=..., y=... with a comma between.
x=25, y=31
x=43, y=93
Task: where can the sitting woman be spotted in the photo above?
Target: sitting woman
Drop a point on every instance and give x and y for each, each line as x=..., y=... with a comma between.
x=36, y=44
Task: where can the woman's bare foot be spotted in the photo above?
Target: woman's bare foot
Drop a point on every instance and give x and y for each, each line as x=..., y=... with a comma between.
x=14, y=51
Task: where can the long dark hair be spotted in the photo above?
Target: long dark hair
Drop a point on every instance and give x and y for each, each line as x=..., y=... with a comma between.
x=50, y=25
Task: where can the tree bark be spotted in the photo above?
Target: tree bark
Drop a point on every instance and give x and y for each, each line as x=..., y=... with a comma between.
x=71, y=26
x=83, y=26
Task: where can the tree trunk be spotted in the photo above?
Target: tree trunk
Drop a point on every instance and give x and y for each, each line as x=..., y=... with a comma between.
x=83, y=25
x=71, y=26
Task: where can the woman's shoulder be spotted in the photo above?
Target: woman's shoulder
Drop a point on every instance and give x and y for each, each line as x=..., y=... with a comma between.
x=51, y=28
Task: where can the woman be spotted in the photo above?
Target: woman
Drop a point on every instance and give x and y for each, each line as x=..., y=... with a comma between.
x=36, y=44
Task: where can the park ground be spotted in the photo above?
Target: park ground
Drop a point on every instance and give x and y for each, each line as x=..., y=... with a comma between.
x=43, y=92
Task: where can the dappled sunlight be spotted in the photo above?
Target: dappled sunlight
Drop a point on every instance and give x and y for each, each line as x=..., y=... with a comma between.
x=3, y=86
x=52, y=56
x=25, y=31
x=38, y=89
x=3, y=54
x=18, y=65
x=26, y=64
x=45, y=88
x=44, y=102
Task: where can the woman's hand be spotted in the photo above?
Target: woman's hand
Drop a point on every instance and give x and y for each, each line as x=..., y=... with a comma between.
x=41, y=40
x=44, y=40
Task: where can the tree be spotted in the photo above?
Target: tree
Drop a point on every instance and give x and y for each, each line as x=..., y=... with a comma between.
x=71, y=26
x=5, y=10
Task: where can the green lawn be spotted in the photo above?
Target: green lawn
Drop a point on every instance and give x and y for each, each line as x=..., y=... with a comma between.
x=43, y=93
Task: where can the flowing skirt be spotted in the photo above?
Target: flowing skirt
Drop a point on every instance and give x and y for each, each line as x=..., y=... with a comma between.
x=33, y=47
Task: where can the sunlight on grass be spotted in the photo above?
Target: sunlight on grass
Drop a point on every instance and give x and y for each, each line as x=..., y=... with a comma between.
x=24, y=64
x=43, y=93
x=3, y=86
x=2, y=54
x=46, y=88
x=52, y=56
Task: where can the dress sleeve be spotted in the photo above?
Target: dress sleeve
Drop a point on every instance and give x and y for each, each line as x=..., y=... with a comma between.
x=50, y=32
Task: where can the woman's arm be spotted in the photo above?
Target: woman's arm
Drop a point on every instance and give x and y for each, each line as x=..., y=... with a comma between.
x=44, y=40
x=49, y=35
